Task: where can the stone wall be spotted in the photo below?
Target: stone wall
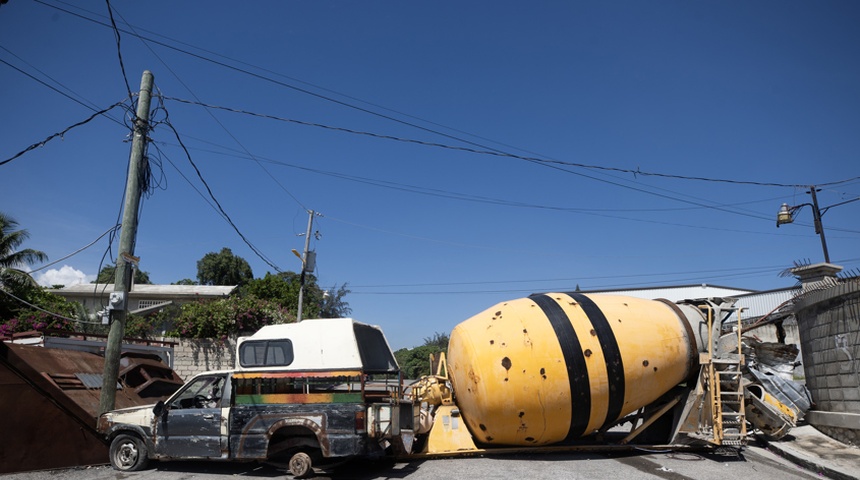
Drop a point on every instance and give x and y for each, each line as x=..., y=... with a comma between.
x=193, y=356
x=829, y=322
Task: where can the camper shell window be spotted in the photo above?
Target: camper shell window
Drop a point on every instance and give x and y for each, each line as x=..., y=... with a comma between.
x=266, y=353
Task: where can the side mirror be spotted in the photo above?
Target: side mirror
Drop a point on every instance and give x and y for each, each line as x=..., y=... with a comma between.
x=158, y=409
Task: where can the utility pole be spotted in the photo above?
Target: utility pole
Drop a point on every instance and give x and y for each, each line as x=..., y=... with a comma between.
x=819, y=228
x=119, y=299
x=305, y=265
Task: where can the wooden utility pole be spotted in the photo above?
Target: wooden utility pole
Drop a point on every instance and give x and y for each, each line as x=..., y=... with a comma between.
x=305, y=265
x=119, y=299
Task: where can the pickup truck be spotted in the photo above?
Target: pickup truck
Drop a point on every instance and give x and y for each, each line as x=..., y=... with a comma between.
x=307, y=393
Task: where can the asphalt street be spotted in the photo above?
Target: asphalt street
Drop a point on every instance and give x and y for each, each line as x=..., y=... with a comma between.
x=754, y=462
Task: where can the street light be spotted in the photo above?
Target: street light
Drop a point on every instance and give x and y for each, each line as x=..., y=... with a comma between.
x=786, y=215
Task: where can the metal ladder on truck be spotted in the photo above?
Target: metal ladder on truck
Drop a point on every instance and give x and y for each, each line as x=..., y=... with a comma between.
x=726, y=391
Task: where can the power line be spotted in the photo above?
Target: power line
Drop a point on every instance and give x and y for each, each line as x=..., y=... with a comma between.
x=223, y=127
x=738, y=271
x=119, y=49
x=217, y=203
x=548, y=163
x=488, y=200
x=48, y=312
x=110, y=230
x=487, y=151
x=91, y=106
x=60, y=133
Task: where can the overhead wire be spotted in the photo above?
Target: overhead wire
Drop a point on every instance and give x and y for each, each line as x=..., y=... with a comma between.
x=436, y=132
x=597, y=212
x=112, y=229
x=548, y=163
x=119, y=49
x=489, y=151
x=745, y=270
x=230, y=221
x=91, y=106
x=634, y=172
x=221, y=124
x=57, y=315
x=60, y=133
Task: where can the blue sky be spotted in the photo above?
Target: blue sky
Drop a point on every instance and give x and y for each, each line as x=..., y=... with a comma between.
x=427, y=235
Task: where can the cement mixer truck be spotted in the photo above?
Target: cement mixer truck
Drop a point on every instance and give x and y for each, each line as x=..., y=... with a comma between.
x=554, y=371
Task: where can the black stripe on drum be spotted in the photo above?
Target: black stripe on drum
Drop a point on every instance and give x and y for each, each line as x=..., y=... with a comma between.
x=611, y=355
x=574, y=361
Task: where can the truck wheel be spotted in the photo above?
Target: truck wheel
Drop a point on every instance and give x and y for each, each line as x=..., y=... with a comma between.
x=301, y=465
x=128, y=453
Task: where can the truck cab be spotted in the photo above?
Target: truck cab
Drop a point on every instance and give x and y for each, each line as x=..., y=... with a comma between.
x=306, y=393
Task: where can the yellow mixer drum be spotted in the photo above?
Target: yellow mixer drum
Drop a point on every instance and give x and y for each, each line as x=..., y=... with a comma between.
x=558, y=366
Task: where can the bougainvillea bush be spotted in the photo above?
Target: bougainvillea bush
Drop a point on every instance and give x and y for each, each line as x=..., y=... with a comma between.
x=34, y=320
x=227, y=316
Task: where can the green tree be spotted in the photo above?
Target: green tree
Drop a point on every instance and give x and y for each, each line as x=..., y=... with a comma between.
x=43, y=310
x=223, y=268
x=281, y=288
x=108, y=275
x=227, y=316
x=11, y=258
x=333, y=305
x=185, y=281
x=415, y=362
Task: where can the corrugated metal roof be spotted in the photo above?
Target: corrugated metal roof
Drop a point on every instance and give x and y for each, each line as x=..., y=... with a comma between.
x=678, y=292
x=761, y=303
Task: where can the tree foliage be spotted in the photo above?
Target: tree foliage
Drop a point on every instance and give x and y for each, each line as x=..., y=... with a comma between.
x=333, y=304
x=283, y=289
x=223, y=268
x=11, y=258
x=227, y=316
x=108, y=275
x=415, y=362
x=18, y=317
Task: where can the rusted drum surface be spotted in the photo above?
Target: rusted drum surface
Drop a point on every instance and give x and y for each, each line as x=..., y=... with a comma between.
x=558, y=366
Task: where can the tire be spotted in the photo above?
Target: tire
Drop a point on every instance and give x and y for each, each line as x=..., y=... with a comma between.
x=301, y=465
x=128, y=453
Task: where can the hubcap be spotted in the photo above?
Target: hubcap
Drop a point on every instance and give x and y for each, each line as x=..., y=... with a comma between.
x=127, y=454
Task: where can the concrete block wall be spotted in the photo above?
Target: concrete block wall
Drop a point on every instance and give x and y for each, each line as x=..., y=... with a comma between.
x=193, y=356
x=829, y=323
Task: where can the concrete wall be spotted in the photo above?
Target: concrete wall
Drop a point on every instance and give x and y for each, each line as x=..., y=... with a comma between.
x=193, y=356
x=829, y=322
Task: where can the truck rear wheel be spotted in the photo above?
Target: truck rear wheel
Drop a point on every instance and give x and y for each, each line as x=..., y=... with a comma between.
x=301, y=465
x=128, y=453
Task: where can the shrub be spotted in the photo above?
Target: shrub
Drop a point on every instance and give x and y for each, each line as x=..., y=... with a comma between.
x=227, y=316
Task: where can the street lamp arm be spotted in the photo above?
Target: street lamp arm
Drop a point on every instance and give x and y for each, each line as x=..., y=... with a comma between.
x=825, y=209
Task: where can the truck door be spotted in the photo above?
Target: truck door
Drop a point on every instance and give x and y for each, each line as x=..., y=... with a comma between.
x=194, y=423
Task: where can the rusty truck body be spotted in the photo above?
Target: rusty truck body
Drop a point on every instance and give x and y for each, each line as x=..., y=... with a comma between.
x=301, y=393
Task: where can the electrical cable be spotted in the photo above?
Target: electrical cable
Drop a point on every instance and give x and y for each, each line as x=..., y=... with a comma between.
x=114, y=228
x=548, y=163
x=60, y=133
x=119, y=50
x=79, y=102
x=739, y=271
x=46, y=311
x=217, y=203
x=453, y=137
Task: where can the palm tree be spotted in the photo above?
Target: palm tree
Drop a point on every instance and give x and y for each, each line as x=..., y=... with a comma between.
x=12, y=259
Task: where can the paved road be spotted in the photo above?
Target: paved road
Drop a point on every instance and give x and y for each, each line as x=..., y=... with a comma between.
x=754, y=463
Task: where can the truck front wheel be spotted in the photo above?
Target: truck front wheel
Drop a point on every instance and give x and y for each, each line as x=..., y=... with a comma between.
x=301, y=465
x=128, y=453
